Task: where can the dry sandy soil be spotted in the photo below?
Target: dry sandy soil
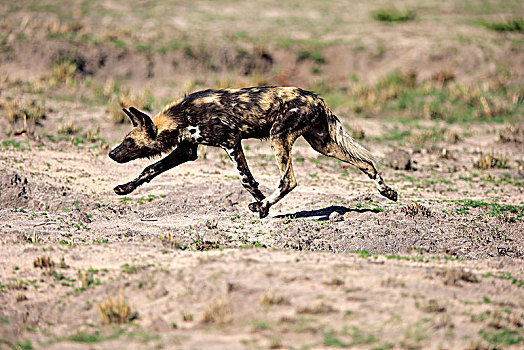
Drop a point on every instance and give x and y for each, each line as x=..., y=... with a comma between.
x=182, y=259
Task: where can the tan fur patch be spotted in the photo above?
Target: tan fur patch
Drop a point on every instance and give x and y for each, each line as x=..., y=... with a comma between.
x=232, y=90
x=208, y=99
x=164, y=122
x=287, y=93
x=139, y=136
x=244, y=98
x=265, y=101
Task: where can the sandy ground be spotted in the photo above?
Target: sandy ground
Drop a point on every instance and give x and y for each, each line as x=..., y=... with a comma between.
x=182, y=260
x=185, y=244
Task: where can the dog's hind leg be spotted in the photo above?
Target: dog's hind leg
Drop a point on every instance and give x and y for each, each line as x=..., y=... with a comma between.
x=248, y=181
x=281, y=145
x=333, y=141
x=184, y=152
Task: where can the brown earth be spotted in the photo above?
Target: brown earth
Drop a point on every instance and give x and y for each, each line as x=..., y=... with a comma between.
x=334, y=264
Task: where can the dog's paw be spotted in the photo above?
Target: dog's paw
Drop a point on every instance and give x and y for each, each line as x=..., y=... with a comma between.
x=255, y=206
x=124, y=189
x=390, y=194
x=260, y=208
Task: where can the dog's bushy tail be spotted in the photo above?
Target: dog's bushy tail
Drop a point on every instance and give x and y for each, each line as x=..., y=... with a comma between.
x=346, y=143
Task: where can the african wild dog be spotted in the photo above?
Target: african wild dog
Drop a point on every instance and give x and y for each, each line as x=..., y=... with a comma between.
x=222, y=118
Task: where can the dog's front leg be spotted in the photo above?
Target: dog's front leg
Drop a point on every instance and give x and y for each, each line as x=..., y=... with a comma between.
x=183, y=153
x=248, y=181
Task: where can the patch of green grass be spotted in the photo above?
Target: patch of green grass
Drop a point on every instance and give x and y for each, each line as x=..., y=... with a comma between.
x=260, y=325
x=506, y=337
x=401, y=97
x=332, y=340
x=14, y=143
x=510, y=25
x=130, y=269
x=143, y=47
x=505, y=276
x=316, y=57
x=361, y=253
x=496, y=209
x=23, y=345
x=119, y=43
x=394, y=134
x=392, y=15
x=92, y=338
x=142, y=336
x=357, y=338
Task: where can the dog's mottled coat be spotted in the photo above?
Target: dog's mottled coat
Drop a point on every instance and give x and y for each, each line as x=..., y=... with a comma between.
x=223, y=118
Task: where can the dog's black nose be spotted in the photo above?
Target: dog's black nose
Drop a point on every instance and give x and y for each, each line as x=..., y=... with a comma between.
x=112, y=155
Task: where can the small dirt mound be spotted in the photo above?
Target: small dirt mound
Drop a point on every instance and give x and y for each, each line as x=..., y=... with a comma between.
x=512, y=134
x=400, y=160
x=19, y=192
x=14, y=191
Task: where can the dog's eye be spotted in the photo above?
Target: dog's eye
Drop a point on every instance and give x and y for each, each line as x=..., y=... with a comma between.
x=130, y=143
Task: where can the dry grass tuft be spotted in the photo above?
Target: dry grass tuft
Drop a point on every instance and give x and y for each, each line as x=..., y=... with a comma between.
x=186, y=317
x=392, y=281
x=116, y=310
x=68, y=128
x=62, y=73
x=169, y=241
x=357, y=132
x=16, y=110
x=414, y=209
x=335, y=281
x=270, y=298
x=319, y=308
x=217, y=312
x=453, y=276
x=17, y=285
x=491, y=160
x=43, y=262
x=443, y=76
x=86, y=278
x=21, y=297
x=432, y=305
x=57, y=28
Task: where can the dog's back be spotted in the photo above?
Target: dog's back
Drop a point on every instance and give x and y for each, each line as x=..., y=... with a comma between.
x=248, y=112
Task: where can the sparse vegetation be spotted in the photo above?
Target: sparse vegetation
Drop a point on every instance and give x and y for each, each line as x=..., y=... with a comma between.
x=392, y=15
x=491, y=160
x=270, y=298
x=318, y=308
x=116, y=310
x=510, y=25
x=415, y=209
x=217, y=312
x=43, y=262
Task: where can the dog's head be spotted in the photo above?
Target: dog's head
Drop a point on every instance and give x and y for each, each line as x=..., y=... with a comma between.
x=140, y=142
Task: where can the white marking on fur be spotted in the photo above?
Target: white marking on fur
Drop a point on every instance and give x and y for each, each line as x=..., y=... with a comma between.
x=191, y=133
x=196, y=135
x=293, y=110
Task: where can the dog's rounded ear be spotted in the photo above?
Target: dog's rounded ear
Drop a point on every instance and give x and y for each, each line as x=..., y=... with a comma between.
x=133, y=119
x=145, y=122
